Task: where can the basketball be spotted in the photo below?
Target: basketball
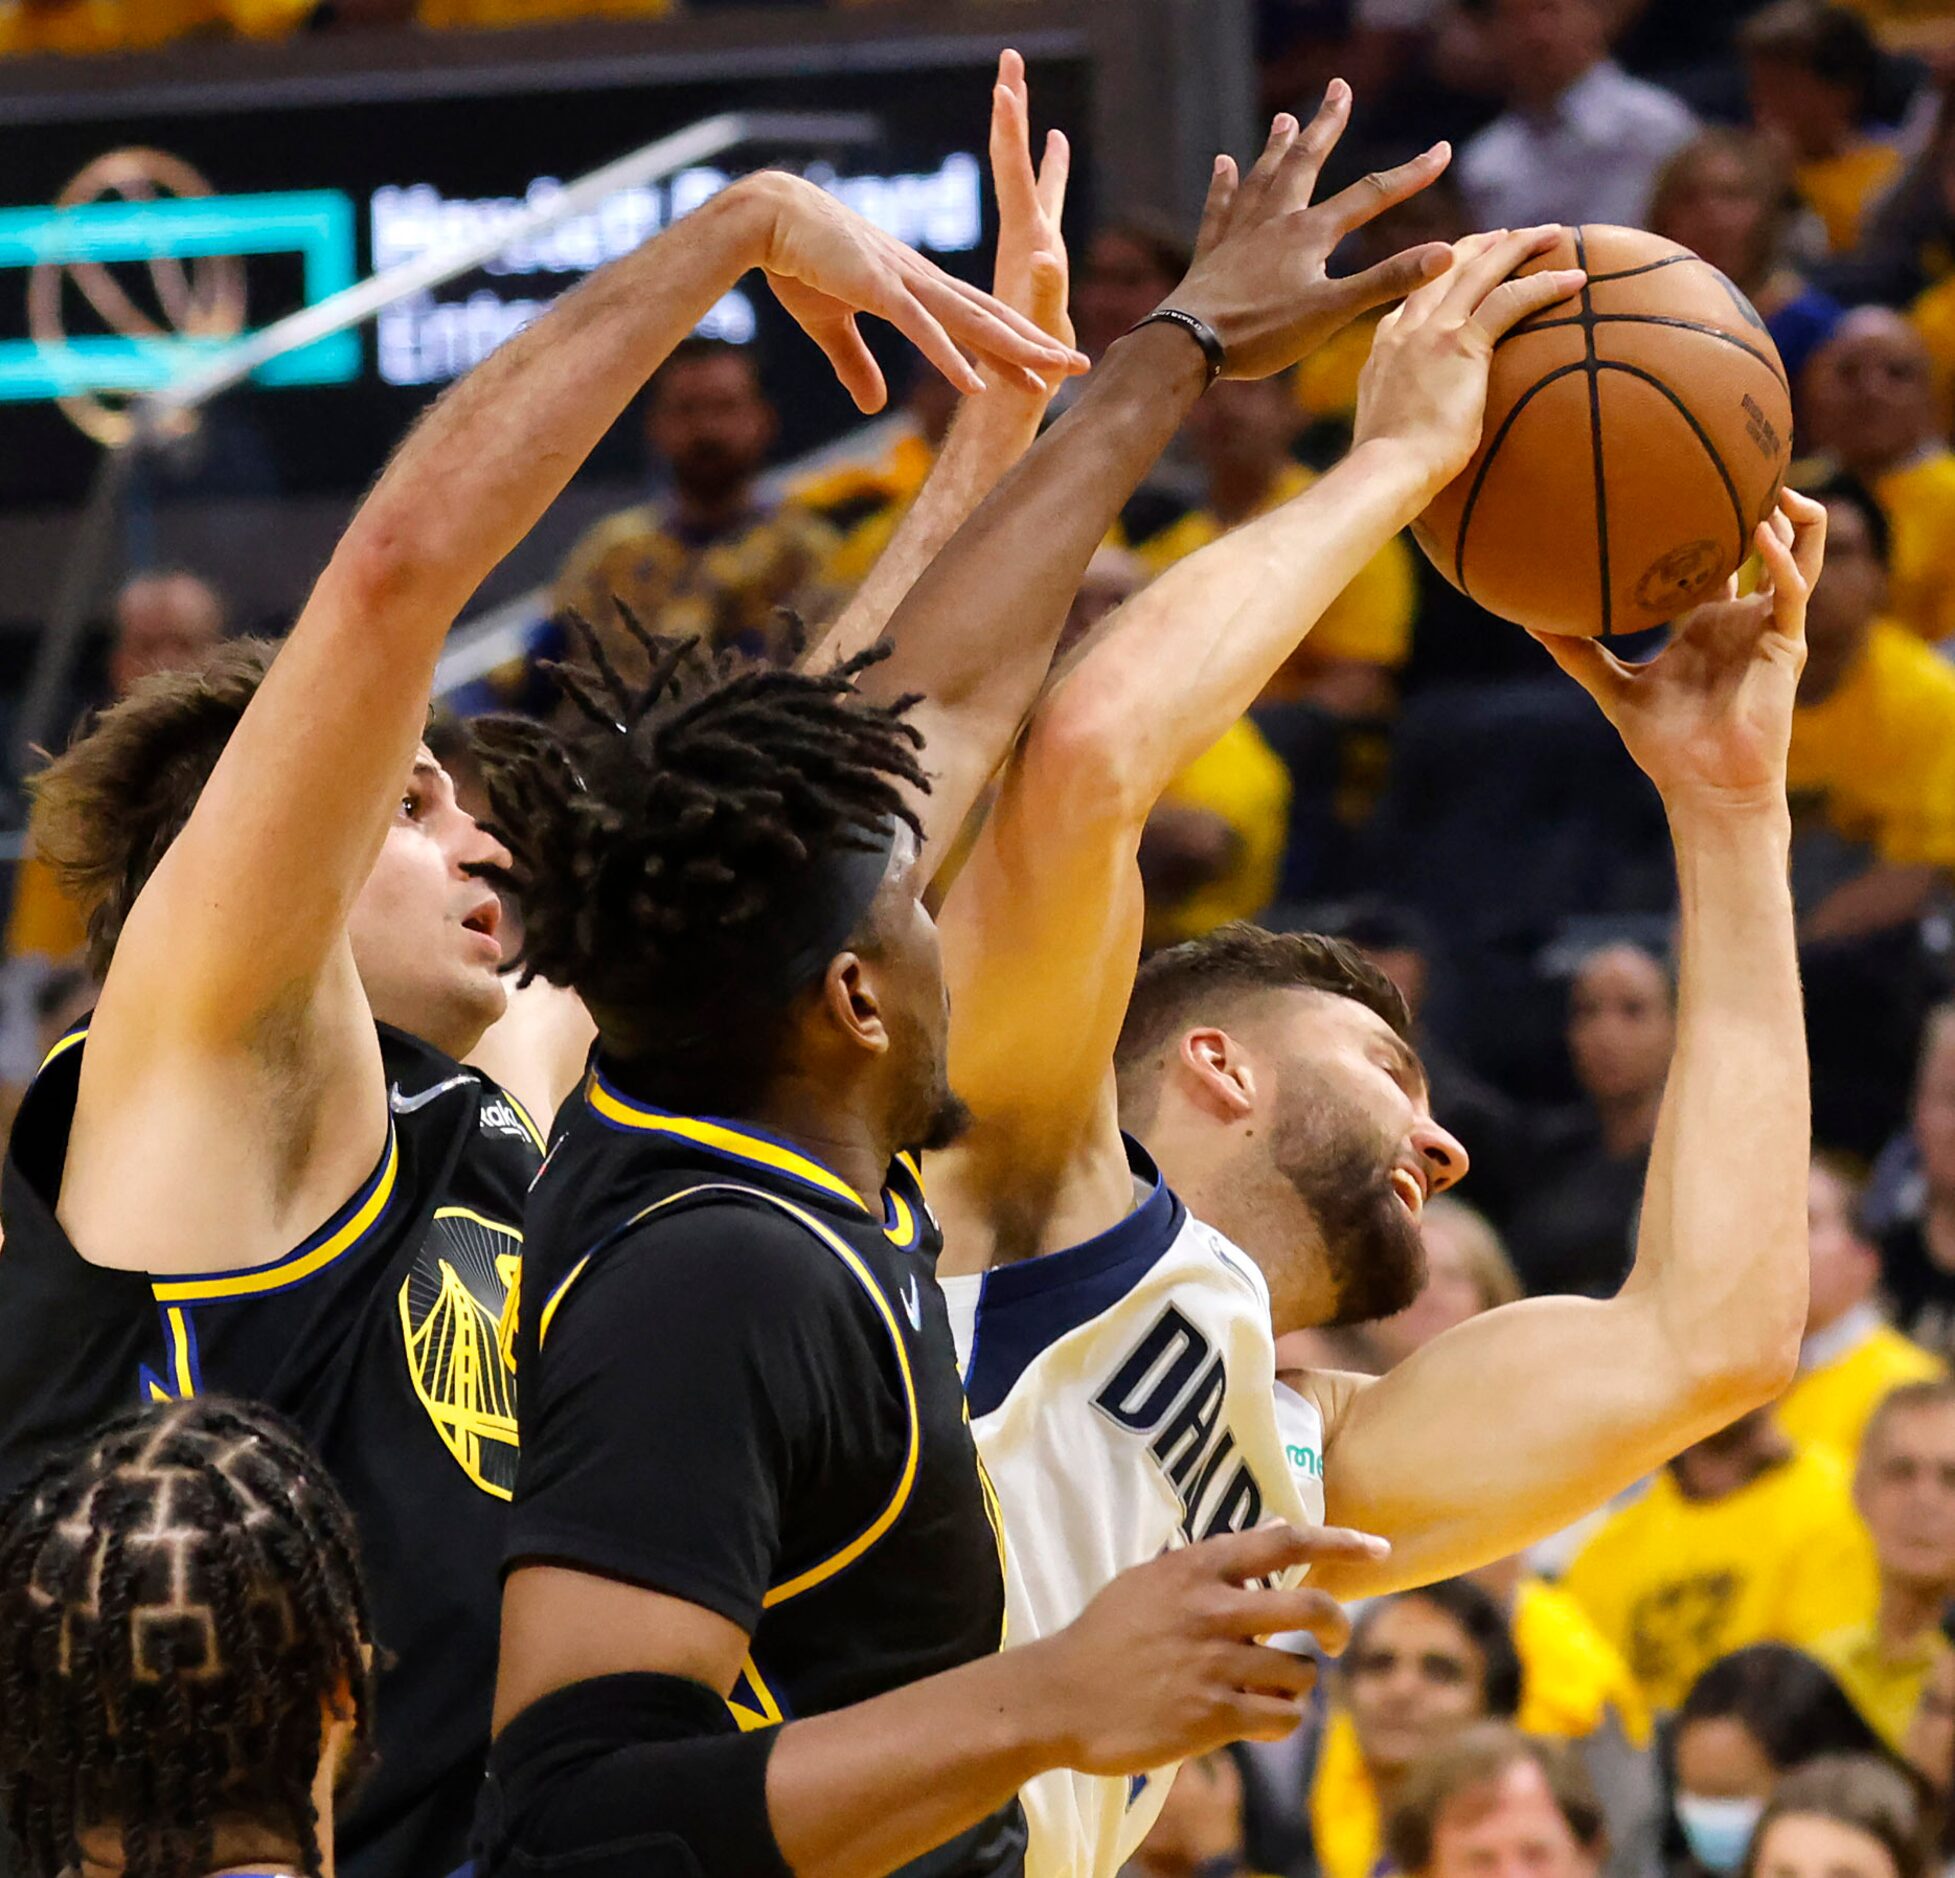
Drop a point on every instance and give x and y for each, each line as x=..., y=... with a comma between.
x=1635, y=436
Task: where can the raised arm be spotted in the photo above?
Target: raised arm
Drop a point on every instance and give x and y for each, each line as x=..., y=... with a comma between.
x=1042, y=930
x=1510, y=1426
x=233, y=1015
x=975, y=634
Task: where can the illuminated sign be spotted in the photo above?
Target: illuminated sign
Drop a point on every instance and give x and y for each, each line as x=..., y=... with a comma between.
x=317, y=225
x=425, y=339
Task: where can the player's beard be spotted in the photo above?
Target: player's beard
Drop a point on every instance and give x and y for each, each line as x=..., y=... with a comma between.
x=1342, y=1172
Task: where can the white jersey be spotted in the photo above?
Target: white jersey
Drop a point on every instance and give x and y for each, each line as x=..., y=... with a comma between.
x=1125, y=1401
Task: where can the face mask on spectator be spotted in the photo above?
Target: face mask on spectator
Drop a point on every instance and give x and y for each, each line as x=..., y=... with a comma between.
x=1717, y=1831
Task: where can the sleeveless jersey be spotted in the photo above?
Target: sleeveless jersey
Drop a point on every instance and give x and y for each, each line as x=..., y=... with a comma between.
x=1125, y=1399
x=778, y=1434
x=385, y=1337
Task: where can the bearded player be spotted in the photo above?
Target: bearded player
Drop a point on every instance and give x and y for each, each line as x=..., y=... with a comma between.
x=1118, y=1345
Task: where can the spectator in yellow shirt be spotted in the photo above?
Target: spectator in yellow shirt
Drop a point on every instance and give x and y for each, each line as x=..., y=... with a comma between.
x=863, y=502
x=1741, y=1539
x=1241, y=433
x=1870, y=396
x=468, y=13
x=1749, y=1719
x=710, y=556
x=1852, y=1358
x=1810, y=70
x=131, y=25
x=1905, y=1488
x=1871, y=773
x=1421, y=1666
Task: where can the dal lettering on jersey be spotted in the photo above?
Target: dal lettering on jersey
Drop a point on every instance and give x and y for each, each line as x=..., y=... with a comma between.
x=1169, y=1390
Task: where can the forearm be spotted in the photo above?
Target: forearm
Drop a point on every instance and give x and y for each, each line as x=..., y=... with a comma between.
x=976, y=633
x=1721, y=1251
x=989, y=434
x=488, y=459
x=862, y=1790
x=1212, y=631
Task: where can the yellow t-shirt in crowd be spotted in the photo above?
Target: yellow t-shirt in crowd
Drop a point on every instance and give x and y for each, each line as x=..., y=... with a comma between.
x=466, y=13
x=1919, y=500
x=130, y=25
x=1876, y=760
x=1326, y=383
x=1674, y=1584
x=1831, y=1403
x=1885, y=1689
x=1838, y=188
x=1370, y=621
x=1240, y=779
x=1572, y=1679
x=865, y=502
x=42, y=920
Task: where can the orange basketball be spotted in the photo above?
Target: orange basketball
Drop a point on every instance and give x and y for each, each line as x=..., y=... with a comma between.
x=1635, y=436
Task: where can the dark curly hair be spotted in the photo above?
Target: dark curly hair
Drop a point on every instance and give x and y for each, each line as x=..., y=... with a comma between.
x=180, y=1603
x=666, y=855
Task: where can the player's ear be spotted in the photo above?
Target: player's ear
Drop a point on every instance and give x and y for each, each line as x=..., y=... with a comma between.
x=850, y=1002
x=1218, y=1074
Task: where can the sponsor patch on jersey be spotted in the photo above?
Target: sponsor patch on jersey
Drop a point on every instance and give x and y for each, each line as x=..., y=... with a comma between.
x=499, y=1117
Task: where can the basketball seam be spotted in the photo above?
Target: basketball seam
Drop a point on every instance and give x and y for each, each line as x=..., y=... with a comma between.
x=1486, y=464
x=1651, y=319
x=1698, y=431
x=1646, y=267
x=1591, y=367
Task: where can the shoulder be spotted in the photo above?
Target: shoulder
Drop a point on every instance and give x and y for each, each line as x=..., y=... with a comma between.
x=1899, y=1359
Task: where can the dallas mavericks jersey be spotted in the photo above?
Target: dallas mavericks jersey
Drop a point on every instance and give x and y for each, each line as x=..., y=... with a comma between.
x=1125, y=1401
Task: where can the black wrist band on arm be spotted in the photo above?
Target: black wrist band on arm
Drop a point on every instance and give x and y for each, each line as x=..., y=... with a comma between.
x=1199, y=330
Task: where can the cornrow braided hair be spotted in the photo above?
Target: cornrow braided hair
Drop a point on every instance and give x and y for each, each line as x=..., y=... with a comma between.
x=683, y=826
x=180, y=1606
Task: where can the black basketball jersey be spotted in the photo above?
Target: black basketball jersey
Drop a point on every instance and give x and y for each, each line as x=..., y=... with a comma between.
x=740, y=1389
x=387, y=1337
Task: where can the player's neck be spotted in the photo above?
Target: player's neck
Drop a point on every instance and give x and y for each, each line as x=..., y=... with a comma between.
x=834, y=1132
x=1628, y=1123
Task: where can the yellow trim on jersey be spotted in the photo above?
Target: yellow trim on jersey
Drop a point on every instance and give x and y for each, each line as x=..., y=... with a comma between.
x=903, y=1234
x=718, y=1136
x=523, y=1115
x=63, y=1046
x=835, y=1562
x=556, y=1298
x=180, y=1352
x=300, y=1265
x=769, y=1711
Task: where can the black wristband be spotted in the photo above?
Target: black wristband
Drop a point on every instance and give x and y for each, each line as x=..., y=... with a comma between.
x=1199, y=330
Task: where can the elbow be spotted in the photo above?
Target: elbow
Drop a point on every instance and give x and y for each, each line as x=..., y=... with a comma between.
x=1083, y=759
x=382, y=565
x=1752, y=1365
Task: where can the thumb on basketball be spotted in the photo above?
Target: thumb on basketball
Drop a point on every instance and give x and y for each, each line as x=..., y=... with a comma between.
x=1394, y=279
x=1515, y=300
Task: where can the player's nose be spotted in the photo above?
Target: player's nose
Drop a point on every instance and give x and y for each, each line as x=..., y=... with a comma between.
x=1444, y=1155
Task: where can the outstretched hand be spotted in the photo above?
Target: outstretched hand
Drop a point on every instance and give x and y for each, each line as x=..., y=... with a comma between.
x=1425, y=383
x=1709, y=719
x=1030, y=275
x=1259, y=276
x=826, y=265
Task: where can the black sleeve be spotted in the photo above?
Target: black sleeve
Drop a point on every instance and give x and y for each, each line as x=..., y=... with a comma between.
x=702, y=1412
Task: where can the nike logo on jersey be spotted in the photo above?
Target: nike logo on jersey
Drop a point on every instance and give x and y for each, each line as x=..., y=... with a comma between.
x=1169, y=1391
x=913, y=1304
x=407, y=1104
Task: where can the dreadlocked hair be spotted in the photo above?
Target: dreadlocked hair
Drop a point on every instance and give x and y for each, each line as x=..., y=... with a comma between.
x=180, y=1607
x=660, y=853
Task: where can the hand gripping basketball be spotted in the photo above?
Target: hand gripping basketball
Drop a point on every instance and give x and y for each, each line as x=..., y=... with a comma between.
x=1259, y=277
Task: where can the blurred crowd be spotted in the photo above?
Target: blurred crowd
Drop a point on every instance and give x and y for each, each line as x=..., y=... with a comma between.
x=1746, y=1666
